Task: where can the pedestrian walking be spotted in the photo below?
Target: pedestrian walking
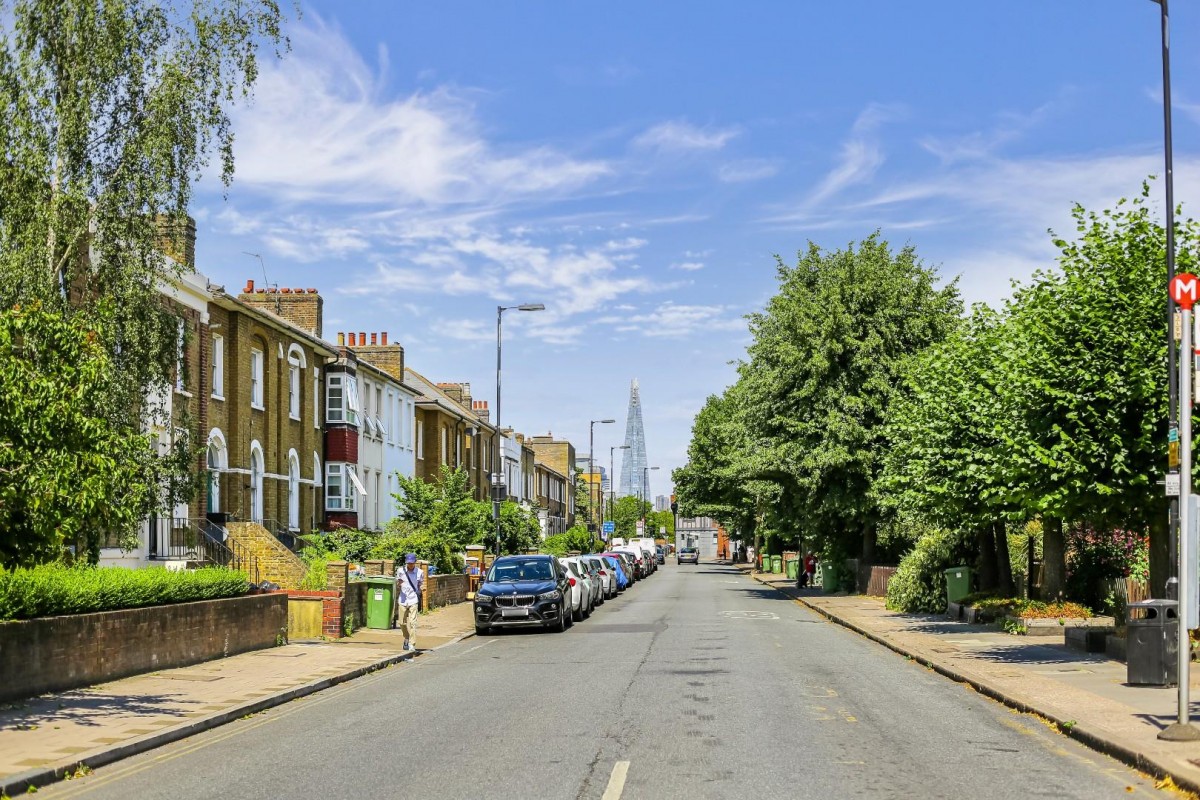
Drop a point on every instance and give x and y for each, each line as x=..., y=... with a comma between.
x=409, y=582
x=810, y=568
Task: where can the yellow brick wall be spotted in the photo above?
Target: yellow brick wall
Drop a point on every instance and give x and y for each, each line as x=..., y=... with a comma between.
x=275, y=562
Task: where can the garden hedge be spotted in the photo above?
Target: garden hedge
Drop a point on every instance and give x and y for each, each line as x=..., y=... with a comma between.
x=54, y=589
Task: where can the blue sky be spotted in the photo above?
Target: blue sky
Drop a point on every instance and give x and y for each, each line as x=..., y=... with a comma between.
x=635, y=166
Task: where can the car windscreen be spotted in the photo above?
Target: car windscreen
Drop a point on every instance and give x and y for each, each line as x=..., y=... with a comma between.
x=513, y=571
x=688, y=550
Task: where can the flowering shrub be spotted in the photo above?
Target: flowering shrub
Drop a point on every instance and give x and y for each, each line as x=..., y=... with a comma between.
x=1096, y=556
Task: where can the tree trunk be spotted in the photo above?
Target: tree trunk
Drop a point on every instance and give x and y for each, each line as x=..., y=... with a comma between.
x=1054, y=559
x=986, y=545
x=1030, y=565
x=870, y=535
x=1160, y=551
x=1003, y=562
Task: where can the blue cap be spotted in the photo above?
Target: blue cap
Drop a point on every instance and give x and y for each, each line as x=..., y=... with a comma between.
x=411, y=558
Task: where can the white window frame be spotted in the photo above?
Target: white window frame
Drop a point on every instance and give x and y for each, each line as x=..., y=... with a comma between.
x=256, y=378
x=369, y=428
x=256, y=481
x=383, y=431
x=445, y=443
x=420, y=439
x=316, y=398
x=353, y=406
x=218, y=367
x=344, y=478
x=293, y=491
x=294, y=392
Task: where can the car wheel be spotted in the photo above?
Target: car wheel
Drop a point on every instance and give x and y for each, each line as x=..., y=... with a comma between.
x=569, y=619
x=561, y=625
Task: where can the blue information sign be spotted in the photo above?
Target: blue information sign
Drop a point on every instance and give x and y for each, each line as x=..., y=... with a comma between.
x=609, y=527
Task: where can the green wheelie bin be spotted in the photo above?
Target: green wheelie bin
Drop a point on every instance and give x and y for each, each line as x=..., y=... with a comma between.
x=793, y=568
x=381, y=600
x=777, y=564
x=958, y=583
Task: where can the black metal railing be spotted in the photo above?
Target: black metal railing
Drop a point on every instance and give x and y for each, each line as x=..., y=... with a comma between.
x=288, y=538
x=201, y=542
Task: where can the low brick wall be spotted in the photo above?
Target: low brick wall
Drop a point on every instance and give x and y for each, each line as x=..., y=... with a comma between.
x=332, y=605
x=57, y=653
x=445, y=590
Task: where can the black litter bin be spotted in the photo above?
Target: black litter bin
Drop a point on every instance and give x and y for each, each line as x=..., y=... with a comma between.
x=1152, y=642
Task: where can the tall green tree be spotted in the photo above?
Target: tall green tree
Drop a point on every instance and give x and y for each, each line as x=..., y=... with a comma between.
x=823, y=368
x=109, y=112
x=1087, y=378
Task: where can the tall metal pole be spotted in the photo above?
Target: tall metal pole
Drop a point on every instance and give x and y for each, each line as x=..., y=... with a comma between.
x=1168, y=156
x=591, y=473
x=496, y=460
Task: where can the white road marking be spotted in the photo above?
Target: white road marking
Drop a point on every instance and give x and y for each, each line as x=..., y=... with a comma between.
x=749, y=615
x=616, y=783
x=476, y=647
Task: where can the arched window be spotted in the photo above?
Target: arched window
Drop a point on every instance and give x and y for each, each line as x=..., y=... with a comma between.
x=217, y=463
x=256, y=481
x=293, y=491
x=296, y=362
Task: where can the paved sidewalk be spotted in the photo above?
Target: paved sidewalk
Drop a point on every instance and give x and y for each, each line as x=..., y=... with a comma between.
x=1084, y=695
x=46, y=738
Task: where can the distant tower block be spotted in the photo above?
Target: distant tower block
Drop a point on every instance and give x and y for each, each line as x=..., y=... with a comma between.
x=633, y=462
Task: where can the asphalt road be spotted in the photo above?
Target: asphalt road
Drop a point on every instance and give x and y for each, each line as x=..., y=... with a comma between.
x=696, y=683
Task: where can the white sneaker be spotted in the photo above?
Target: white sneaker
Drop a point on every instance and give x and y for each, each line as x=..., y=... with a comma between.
x=407, y=645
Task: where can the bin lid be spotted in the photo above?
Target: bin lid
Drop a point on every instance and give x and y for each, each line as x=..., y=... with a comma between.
x=1153, y=603
x=956, y=569
x=378, y=579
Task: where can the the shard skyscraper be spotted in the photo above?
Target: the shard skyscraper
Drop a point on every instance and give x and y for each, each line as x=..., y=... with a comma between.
x=633, y=463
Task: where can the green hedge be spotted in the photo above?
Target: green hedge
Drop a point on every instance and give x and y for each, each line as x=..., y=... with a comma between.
x=54, y=589
x=919, y=585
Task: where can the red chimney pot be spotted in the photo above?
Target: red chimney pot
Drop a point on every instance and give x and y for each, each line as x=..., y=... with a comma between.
x=383, y=338
x=373, y=338
x=249, y=288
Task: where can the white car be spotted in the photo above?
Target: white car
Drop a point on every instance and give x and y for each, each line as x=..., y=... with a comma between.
x=608, y=578
x=581, y=589
x=592, y=572
x=639, y=559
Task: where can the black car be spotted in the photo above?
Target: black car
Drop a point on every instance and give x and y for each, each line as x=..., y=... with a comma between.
x=522, y=592
x=660, y=555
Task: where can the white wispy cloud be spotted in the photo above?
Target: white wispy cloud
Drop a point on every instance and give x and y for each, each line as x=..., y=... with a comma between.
x=688, y=266
x=679, y=137
x=861, y=155
x=322, y=126
x=750, y=169
x=674, y=320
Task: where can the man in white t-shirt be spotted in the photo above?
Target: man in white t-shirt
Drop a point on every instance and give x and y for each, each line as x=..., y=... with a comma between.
x=409, y=582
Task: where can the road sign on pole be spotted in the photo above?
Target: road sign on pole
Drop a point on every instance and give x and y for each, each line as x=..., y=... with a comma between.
x=609, y=526
x=1183, y=288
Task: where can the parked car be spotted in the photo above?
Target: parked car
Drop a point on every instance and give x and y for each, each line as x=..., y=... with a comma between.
x=608, y=578
x=593, y=573
x=660, y=556
x=627, y=564
x=639, y=560
x=688, y=555
x=583, y=577
x=618, y=567
x=575, y=594
x=523, y=591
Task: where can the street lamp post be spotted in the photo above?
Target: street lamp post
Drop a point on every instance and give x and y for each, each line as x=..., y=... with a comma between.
x=497, y=460
x=612, y=490
x=592, y=468
x=646, y=495
x=1181, y=730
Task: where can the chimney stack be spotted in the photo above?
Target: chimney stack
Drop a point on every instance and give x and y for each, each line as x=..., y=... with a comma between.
x=341, y=339
x=304, y=309
x=374, y=336
x=383, y=339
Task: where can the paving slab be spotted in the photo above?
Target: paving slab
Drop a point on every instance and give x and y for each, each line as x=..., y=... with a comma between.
x=47, y=738
x=1084, y=694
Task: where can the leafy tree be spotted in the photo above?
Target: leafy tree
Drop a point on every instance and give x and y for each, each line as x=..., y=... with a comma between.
x=715, y=480
x=1087, y=378
x=68, y=475
x=576, y=539
x=519, y=529
x=625, y=515
x=823, y=368
x=108, y=114
x=446, y=510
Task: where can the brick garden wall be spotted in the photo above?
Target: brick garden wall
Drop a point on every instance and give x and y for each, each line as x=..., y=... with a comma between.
x=332, y=610
x=57, y=653
x=444, y=590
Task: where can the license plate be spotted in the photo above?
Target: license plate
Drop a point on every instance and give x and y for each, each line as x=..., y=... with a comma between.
x=514, y=612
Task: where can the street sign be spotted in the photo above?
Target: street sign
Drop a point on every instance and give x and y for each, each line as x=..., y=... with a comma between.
x=641, y=527
x=1172, y=484
x=609, y=526
x=662, y=530
x=1183, y=289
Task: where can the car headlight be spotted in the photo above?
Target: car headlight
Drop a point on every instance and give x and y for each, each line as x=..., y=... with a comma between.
x=483, y=599
x=554, y=595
